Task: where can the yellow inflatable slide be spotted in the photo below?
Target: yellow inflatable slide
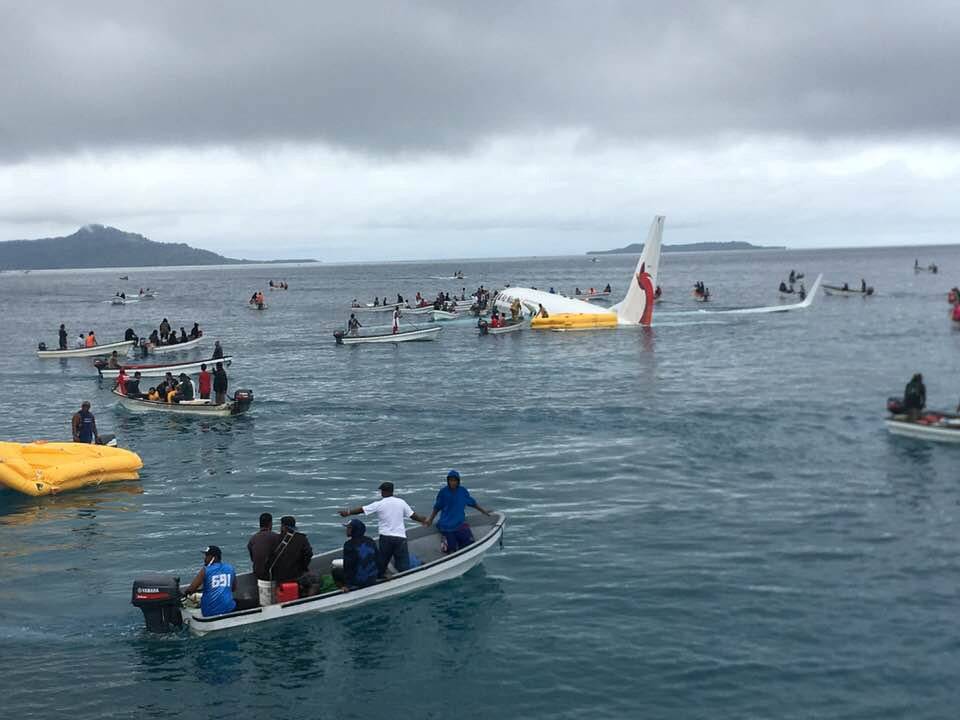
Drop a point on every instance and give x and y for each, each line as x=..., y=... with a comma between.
x=47, y=468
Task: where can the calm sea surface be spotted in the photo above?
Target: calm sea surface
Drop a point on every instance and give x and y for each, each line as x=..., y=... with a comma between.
x=705, y=519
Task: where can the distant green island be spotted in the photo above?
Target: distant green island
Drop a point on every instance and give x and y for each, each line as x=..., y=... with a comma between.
x=100, y=246
x=637, y=248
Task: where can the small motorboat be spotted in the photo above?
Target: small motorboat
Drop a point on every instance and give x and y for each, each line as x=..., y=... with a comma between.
x=441, y=315
x=847, y=291
x=931, y=268
x=241, y=402
x=510, y=327
x=94, y=351
x=424, y=310
x=600, y=295
x=117, y=300
x=47, y=468
x=160, y=369
x=389, y=307
x=158, y=595
x=412, y=334
x=124, y=277
x=166, y=349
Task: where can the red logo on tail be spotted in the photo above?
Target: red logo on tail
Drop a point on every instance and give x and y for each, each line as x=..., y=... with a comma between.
x=646, y=284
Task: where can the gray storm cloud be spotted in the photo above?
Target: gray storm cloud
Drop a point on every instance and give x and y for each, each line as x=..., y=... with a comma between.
x=423, y=77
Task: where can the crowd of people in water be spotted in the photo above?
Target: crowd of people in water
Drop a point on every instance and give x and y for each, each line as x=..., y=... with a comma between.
x=281, y=562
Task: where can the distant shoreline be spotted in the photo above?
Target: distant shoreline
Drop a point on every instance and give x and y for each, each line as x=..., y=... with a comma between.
x=637, y=248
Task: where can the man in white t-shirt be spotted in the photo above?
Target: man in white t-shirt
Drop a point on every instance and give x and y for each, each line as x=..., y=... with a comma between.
x=391, y=512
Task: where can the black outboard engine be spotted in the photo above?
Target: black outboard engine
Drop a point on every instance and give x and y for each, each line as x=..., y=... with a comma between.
x=42, y=346
x=158, y=596
x=338, y=334
x=244, y=399
x=895, y=406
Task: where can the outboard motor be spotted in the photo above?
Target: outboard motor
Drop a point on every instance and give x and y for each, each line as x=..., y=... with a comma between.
x=338, y=335
x=158, y=596
x=244, y=399
x=895, y=406
x=42, y=346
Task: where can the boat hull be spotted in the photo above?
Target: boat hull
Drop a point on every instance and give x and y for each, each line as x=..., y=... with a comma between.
x=85, y=352
x=840, y=292
x=420, y=334
x=445, y=567
x=934, y=433
x=166, y=349
x=506, y=329
x=160, y=370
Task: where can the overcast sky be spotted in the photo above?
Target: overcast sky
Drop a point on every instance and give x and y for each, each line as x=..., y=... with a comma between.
x=399, y=130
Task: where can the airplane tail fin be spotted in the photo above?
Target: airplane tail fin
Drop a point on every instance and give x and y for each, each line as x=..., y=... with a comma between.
x=637, y=305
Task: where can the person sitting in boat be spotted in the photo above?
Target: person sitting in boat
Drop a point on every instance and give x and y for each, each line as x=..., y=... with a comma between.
x=172, y=339
x=783, y=287
x=552, y=291
x=576, y=291
x=164, y=329
x=114, y=362
x=355, y=303
x=152, y=394
x=195, y=331
x=184, y=389
x=353, y=325
x=219, y=582
x=376, y=302
x=793, y=276
x=607, y=288
x=293, y=553
x=361, y=559
x=217, y=350
x=91, y=340
x=495, y=319
x=452, y=502
x=915, y=396
x=84, y=425
x=120, y=384
x=80, y=342
x=129, y=334
x=131, y=386
x=154, y=338
x=183, y=335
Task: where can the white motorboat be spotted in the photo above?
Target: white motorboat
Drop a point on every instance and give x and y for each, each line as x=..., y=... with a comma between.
x=512, y=327
x=602, y=295
x=85, y=351
x=847, y=291
x=166, y=349
x=441, y=315
x=158, y=596
x=242, y=400
x=160, y=369
x=425, y=310
x=390, y=307
x=411, y=334
x=946, y=429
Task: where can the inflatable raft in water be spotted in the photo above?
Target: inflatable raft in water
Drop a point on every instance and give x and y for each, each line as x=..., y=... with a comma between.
x=47, y=468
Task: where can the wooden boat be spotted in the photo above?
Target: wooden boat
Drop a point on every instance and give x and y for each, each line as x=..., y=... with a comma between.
x=404, y=335
x=85, y=351
x=425, y=310
x=161, y=369
x=512, y=327
x=48, y=468
x=242, y=400
x=158, y=595
x=847, y=291
x=166, y=349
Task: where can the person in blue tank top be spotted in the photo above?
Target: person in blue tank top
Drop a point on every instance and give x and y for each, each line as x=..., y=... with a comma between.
x=451, y=503
x=84, y=425
x=218, y=580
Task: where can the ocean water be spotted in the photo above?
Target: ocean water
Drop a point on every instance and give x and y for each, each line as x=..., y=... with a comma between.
x=706, y=518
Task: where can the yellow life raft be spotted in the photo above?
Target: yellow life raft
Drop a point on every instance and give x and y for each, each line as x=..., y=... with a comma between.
x=47, y=468
x=575, y=321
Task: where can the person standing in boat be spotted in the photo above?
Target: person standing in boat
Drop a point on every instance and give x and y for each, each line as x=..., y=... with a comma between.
x=396, y=320
x=203, y=383
x=361, y=559
x=291, y=558
x=218, y=580
x=164, y=329
x=195, y=331
x=915, y=397
x=261, y=546
x=353, y=325
x=220, y=384
x=391, y=511
x=184, y=389
x=452, y=502
x=63, y=337
x=863, y=286
x=217, y=350
x=84, y=425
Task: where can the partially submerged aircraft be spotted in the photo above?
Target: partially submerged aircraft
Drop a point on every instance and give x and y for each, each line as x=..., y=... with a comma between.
x=568, y=313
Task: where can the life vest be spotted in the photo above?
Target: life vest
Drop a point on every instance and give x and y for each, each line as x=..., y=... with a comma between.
x=90, y=341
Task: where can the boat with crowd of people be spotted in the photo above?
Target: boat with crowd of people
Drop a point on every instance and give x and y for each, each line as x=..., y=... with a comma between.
x=93, y=351
x=158, y=595
x=239, y=404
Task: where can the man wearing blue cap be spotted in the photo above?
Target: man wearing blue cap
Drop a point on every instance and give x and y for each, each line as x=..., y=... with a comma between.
x=451, y=503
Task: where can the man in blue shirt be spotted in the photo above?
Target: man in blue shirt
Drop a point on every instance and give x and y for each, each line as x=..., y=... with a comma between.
x=361, y=562
x=451, y=503
x=218, y=580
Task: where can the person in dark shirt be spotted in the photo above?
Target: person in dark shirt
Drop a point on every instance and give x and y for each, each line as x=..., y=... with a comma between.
x=132, y=386
x=291, y=559
x=361, y=561
x=261, y=546
x=63, y=337
x=220, y=384
x=217, y=350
